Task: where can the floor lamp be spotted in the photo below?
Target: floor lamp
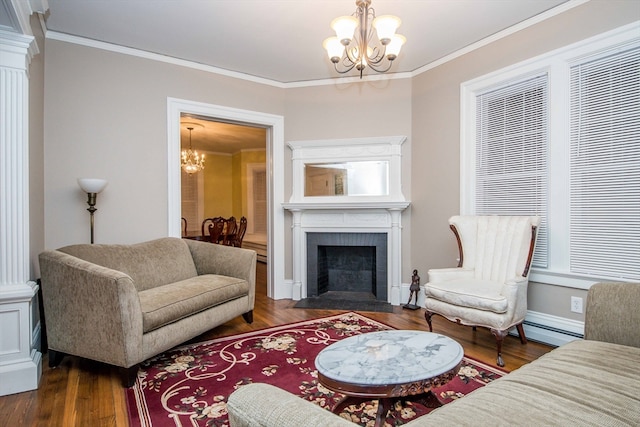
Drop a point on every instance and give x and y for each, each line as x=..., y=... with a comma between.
x=92, y=186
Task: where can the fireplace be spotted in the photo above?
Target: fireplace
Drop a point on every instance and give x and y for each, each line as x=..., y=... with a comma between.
x=346, y=207
x=353, y=263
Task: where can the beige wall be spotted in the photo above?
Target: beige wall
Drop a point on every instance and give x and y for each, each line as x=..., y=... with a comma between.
x=36, y=164
x=436, y=133
x=36, y=150
x=218, y=182
x=105, y=116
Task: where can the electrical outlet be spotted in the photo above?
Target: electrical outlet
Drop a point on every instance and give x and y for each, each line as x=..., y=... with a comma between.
x=576, y=304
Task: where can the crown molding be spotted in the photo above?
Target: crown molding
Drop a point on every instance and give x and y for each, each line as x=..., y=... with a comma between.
x=54, y=35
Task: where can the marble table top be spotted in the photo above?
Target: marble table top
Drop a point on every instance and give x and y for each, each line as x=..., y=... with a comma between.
x=389, y=357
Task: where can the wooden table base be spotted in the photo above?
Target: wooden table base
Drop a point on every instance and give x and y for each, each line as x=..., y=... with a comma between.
x=385, y=404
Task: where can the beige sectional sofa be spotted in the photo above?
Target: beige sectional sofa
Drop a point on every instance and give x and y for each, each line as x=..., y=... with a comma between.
x=122, y=304
x=590, y=382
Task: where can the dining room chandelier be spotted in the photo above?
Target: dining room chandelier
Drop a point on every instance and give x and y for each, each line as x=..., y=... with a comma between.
x=192, y=162
x=354, y=44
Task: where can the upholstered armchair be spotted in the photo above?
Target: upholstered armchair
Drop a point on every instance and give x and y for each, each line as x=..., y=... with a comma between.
x=489, y=286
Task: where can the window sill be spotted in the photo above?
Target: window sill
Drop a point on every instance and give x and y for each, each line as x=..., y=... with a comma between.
x=568, y=280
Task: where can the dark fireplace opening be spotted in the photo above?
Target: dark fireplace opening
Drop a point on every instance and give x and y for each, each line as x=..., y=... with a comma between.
x=347, y=269
x=348, y=266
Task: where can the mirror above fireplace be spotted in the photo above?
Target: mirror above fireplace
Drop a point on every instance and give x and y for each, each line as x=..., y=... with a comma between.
x=360, y=178
x=347, y=171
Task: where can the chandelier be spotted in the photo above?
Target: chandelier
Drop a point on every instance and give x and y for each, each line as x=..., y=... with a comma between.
x=351, y=48
x=192, y=162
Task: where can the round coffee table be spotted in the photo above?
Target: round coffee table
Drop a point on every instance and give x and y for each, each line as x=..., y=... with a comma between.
x=388, y=365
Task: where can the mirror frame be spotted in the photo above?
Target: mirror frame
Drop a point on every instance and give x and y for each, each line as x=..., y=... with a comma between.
x=347, y=150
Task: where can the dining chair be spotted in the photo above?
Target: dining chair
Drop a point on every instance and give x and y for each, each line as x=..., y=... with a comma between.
x=242, y=229
x=216, y=229
x=230, y=231
x=184, y=227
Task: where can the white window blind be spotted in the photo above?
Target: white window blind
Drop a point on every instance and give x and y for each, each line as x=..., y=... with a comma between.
x=605, y=166
x=511, y=154
x=260, y=201
x=189, y=197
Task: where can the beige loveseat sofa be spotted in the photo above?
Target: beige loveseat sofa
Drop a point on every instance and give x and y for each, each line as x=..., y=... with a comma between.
x=122, y=304
x=591, y=382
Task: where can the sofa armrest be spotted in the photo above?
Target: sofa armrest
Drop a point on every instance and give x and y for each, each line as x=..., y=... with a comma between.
x=263, y=405
x=612, y=313
x=91, y=311
x=211, y=258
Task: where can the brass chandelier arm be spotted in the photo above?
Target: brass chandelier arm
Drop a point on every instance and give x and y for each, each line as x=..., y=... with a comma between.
x=347, y=64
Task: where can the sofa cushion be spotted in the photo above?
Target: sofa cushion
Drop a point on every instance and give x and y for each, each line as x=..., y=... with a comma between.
x=586, y=383
x=472, y=293
x=166, y=304
x=149, y=264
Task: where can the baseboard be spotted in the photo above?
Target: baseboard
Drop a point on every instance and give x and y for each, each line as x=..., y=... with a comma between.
x=286, y=291
x=552, y=330
x=20, y=360
x=21, y=376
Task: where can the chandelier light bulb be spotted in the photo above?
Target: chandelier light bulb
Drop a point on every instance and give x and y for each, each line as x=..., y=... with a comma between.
x=394, y=46
x=386, y=26
x=334, y=48
x=192, y=162
x=345, y=27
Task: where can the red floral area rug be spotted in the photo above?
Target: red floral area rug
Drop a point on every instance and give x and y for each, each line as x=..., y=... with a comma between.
x=189, y=385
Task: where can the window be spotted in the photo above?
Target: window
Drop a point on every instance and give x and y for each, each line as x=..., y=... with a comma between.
x=192, y=197
x=559, y=136
x=511, y=153
x=257, y=198
x=605, y=165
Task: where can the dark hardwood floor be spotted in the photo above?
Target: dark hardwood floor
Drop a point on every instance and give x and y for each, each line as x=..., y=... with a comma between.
x=81, y=392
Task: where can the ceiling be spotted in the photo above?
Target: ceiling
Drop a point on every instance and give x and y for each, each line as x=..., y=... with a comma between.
x=218, y=137
x=278, y=41
x=281, y=40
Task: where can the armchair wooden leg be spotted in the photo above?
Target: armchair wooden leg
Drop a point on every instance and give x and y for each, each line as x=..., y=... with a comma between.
x=499, y=338
x=248, y=316
x=427, y=316
x=129, y=376
x=523, y=338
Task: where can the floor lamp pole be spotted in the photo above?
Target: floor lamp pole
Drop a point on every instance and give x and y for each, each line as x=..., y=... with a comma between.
x=92, y=203
x=92, y=187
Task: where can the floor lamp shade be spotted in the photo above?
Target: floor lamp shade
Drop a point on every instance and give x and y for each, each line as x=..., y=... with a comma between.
x=92, y=186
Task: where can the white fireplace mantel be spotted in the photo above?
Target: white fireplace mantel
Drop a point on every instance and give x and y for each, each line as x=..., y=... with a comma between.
x=305, y=206
x=344, y=213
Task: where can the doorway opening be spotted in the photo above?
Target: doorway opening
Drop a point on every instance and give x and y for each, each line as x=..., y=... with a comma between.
x=272, y=127
x=233, y=182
